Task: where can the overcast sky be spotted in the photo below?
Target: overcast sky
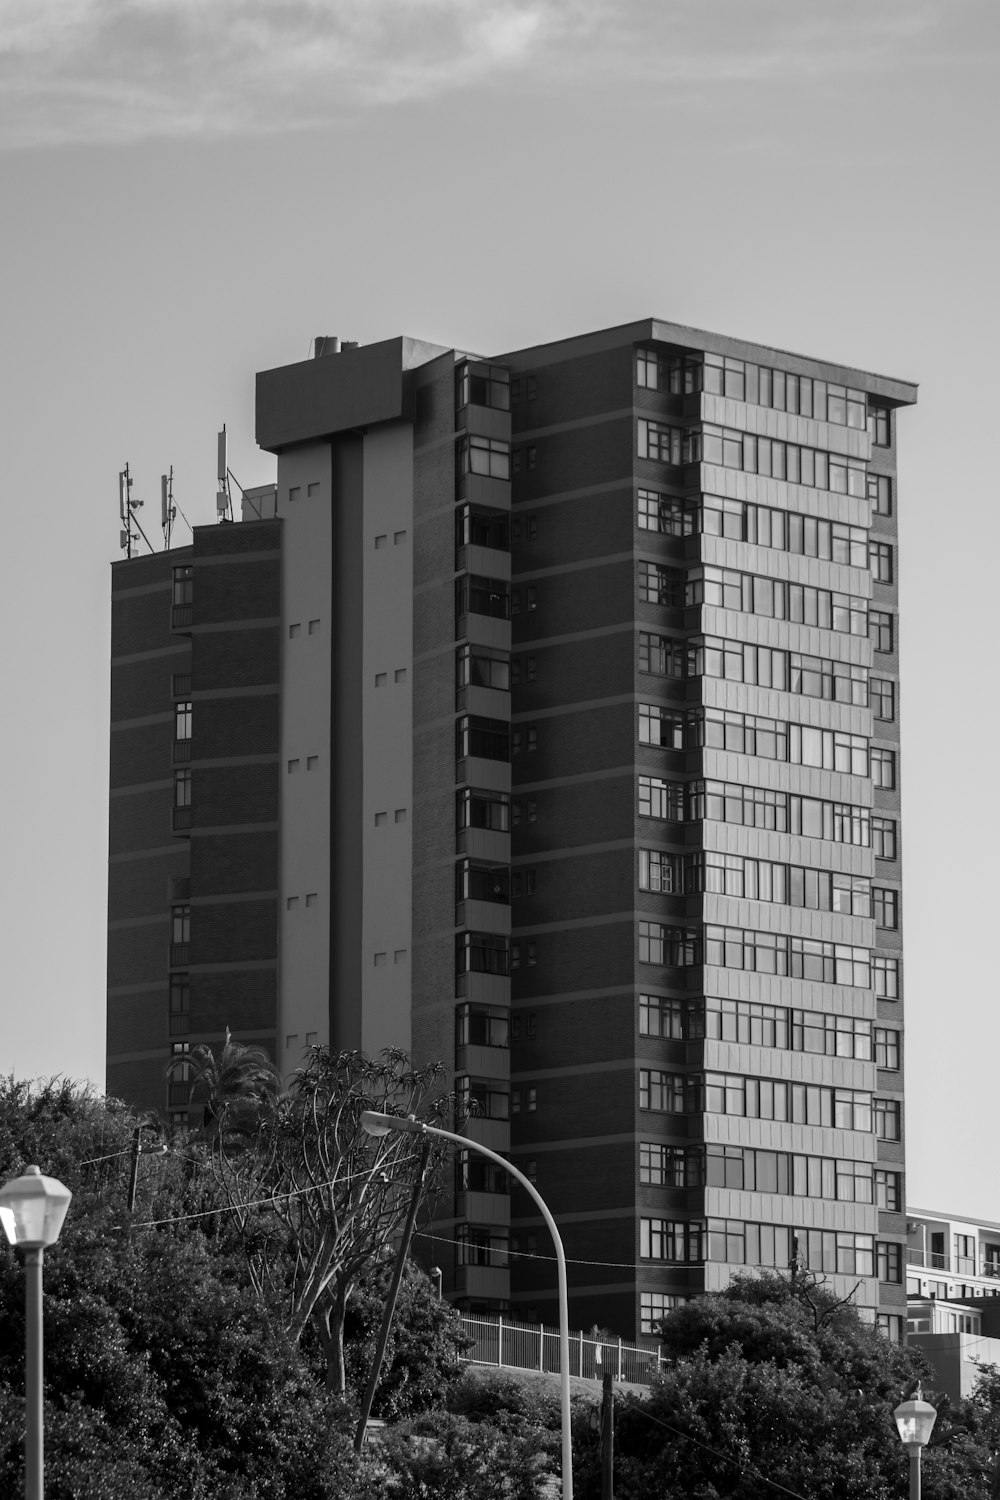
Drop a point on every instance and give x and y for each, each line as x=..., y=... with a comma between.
x=189, y=192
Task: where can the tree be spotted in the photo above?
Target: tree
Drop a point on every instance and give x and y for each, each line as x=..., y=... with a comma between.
x=771, y=1382
x=235, y=1087
x=318, y=1200
x=423, y=1358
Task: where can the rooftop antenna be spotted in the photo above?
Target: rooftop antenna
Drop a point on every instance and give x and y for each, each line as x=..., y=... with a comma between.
x=127, y=508
x=168, y=510
x=223, y=497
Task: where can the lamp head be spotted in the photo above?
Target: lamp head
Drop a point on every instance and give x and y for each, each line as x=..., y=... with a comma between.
x=32, y=1209
x=377, y=1124
x=915, y=1421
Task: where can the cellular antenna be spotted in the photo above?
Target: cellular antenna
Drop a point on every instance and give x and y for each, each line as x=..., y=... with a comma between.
x=168, y=510
x=127, y=508
x=223, y=497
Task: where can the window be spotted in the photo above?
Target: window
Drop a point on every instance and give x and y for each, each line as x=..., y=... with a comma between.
x=756, y=454
x=182, y=720
x=659, y=442
x=475, y=881
x=481, y=953
x=657, y=372
x=180, y=923
x=477, y=595
x=884, y=837
x=888, y=1190
x=660, y=585
x=182, y=788
x=489, y=457
x=482, y=666
x=183, y=585
x=887, y=1048
x=667, y=1093
x=889, y=1260
x=476, y=808
x=662, y=726
x=879, y=488
x=879, y=426
x=661, y=1017
x=482, y=1245
x=663, y=513
x=660, y=799
x=883, y=763
x=523, y=955
x=524, y=882
x=885, y=977
x=481, y=526
x=880, y=630
x=660, y=656
x=487, y=1098
x=482, y=385
x=653, y=1308
x=658, y=871
x=883, y=698
x=888, y=1119
x=488, y=739
x=477, y=1174
x=525, y=740
x=670, y=1239
x=880, y=561
x=671, y=946
x=885, y=906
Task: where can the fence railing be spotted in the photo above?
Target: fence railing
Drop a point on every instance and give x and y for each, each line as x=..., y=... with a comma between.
x=533, y=1346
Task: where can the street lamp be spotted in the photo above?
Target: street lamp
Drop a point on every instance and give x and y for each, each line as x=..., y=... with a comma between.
x=378, y=1124
x=915, y=1419
x=437, y=1276
x=32, y=1210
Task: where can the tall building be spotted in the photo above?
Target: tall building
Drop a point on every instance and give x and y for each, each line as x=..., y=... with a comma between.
x=543, y=719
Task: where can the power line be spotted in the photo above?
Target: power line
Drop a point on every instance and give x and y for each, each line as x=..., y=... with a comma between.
x=726, y=1457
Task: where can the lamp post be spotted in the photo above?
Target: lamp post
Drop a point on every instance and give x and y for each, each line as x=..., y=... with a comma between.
x=915, y=1419
x=32, y=1210
x=378, y=1124
x=437, y=1276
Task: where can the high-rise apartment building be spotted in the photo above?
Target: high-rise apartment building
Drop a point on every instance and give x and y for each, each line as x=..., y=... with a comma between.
x=543, y=719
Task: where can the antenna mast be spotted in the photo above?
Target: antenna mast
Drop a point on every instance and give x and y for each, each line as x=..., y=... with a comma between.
x=223, y=496
x=168, y=509
x=127, y=508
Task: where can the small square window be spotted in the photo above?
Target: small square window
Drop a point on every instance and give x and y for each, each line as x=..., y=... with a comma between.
x=314, y=627
x=312, y=761
x=380, y=541
x=311, y=1038
x=400, y=674
x=295, y=493
x=291, y=903
x=293, y=766
x=292, y=1039
x=380, y=679
x=399, y=956
x=399, y=816
x=294, y=630
x=380, y=960
x=398, y=538
x=379, y=819
x=312, y=899
x=312, y=489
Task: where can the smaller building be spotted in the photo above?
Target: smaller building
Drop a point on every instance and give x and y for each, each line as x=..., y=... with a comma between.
x=952, y=1286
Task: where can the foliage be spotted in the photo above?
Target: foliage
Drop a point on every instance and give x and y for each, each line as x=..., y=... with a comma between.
x=770, y=1382
x=426, y=1341
x=235, y=1086
x=317, y=1200
x=448, y=1457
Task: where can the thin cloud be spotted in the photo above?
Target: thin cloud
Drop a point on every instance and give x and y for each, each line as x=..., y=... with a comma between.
x=124, y=70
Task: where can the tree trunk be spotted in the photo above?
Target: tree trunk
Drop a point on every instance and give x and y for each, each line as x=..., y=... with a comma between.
x=330, y=1316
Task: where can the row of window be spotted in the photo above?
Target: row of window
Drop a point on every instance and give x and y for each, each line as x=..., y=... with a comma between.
x=760, y=807
x=771, y=739
x=760, y=385
x=757, y=1024
x=778, y=1099
x=842, y=1252
x=761, y=666
x=763, y=525
x=775, y=599
x=752, y=1170
x=776, y=953
x=774, y=459
x=767, y=880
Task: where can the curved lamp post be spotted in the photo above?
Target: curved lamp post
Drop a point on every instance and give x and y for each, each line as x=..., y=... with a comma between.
x=377, y=1124
x=915, y=1419
x=32, y=1210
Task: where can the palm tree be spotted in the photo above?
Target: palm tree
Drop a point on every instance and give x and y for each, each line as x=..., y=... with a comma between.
x=235, y=1086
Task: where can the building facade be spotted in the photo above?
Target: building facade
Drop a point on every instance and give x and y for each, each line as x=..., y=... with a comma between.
x=543, y=719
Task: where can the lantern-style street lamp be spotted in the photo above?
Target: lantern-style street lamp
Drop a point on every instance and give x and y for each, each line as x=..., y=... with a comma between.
x=915, y=1419
x=32, y=1210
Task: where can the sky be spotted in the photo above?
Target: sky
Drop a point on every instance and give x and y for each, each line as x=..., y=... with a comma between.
x=192, y=190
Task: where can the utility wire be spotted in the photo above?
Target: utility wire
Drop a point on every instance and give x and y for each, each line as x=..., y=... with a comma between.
x=726, y=1457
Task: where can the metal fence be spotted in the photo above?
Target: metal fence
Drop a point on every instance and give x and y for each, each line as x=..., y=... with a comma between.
x=532, y=1346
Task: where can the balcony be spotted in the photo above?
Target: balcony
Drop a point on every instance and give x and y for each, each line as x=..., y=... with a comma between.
x=179, y=955
x=181, y=820
x=181, y=752
x=178, y=1095
x=181, y=616
x=180, y=1025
